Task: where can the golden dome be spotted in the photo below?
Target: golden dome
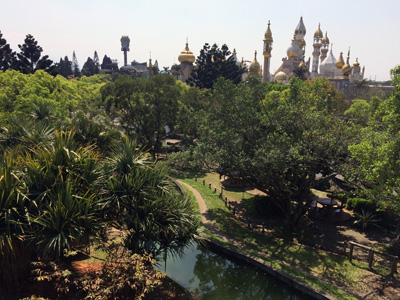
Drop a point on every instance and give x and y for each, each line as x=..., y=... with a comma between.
x=346, y=70
x=340, y=61
x=356, y=65
x=268, y=33
x=319, y=34
x=280, y=76
x=325, y=40
x=255, y=67
x=186, y=55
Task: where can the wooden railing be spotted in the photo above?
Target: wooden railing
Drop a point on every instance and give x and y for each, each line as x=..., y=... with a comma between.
x=371, y=252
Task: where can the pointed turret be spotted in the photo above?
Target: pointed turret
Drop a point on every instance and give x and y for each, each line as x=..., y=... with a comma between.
x=268, y=40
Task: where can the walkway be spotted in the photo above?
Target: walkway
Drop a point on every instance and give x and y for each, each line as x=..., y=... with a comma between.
x=213, y=228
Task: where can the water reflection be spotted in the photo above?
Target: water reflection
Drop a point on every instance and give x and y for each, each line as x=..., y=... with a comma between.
x=212, y=276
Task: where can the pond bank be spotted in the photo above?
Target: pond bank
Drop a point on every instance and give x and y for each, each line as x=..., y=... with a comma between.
x=224, y=248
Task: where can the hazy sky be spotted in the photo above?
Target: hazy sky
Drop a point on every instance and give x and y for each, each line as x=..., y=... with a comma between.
x=369, y=27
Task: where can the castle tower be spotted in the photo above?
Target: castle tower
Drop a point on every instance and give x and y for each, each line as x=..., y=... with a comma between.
x=125, y=47
x=299, y=34
x=186, y=58
x=318, y=35
x=268, y=40
x=325, y=46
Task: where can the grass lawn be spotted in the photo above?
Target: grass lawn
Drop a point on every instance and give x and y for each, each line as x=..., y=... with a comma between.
x=302, y=262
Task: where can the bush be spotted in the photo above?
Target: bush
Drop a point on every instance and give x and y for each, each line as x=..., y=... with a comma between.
x=183, y=162
x=263, y=205
x=123, y=275
x=360, y=204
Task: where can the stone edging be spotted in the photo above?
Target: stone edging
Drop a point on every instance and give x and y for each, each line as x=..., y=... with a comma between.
x=259, y=263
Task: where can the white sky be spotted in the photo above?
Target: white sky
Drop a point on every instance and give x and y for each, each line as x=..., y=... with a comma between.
x=369, y=27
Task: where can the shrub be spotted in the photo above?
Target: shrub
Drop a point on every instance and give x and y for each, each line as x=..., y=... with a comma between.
x=123, y=276
x=263, y=205
x=360, y=204
x=183, y=162
x=365, y=218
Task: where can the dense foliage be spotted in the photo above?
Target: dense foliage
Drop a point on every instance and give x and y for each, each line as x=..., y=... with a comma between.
x=30, y=58
x=278, y=143
x=213, y=63
x=143, y=107
x=68, y=174
x=7, y=56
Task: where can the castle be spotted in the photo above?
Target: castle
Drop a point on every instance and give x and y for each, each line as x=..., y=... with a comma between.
x=324, y=63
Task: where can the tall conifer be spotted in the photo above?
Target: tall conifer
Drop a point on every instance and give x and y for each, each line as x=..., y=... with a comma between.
x=7, y=57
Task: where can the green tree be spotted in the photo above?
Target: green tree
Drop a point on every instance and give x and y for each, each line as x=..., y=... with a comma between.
x=64, y=67
x=300, y=72
x=14, y=256
x=212, y=63
x=30, y=58
x=145, y=203
x=144, y=106
x=278, y=144
x=374, y=165
x=176, y=71
x=89, y=68
x=7, y=56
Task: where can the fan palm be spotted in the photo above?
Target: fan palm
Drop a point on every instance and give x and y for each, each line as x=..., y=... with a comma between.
x=143, y=202
x=67, y=220
x=13, y=224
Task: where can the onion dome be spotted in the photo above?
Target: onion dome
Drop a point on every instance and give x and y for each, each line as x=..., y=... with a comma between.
x=255, y=67
x=186, y=55
x=328, y=66
x=294, y=51
x=346, y=69
x=318, y=34
x=268, y=33
x=280, y=76
x=325, y=40
x=356, y=65
x=340, y=61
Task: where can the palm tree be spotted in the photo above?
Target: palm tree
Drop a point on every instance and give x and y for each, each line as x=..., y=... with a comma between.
x=13, y=224
x=67, y=221
x=300, y=72
x=62, y=180
x=176, y=71
x=144, y=202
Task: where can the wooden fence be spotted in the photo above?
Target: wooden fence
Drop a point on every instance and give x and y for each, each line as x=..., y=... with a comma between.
x=394, y=259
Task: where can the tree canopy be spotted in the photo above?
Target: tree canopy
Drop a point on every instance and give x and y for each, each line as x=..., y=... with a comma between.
x=212, y=63
x=278, y=143
x=7, y=56
x=64, y=67
x=89, y=68
x=144, y=106
x=30, y=58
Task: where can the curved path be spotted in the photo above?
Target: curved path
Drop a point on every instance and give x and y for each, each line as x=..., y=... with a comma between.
x=213, y=228
x=209, y=224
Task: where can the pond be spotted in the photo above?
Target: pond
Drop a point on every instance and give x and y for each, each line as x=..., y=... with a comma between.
x=210, y=276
